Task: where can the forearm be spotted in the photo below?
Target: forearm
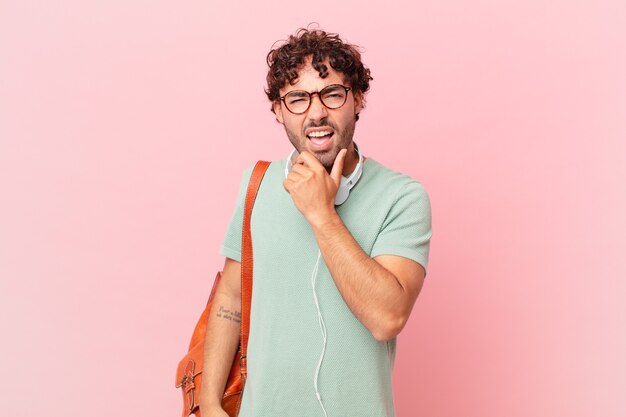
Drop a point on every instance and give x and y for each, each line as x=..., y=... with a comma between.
x=371, y=292
x=221, y=343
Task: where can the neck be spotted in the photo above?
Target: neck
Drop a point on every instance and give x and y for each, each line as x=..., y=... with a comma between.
x=351, y=161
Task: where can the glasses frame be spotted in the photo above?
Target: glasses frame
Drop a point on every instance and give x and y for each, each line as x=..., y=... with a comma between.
x=310, y=94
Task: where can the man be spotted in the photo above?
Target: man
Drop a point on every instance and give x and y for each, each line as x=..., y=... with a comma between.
x=333, y=283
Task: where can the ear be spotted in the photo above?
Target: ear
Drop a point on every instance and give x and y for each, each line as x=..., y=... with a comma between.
x=278, y=111
x=358, y=102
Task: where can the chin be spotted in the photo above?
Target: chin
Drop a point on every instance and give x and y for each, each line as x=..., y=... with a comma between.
x=327, y=158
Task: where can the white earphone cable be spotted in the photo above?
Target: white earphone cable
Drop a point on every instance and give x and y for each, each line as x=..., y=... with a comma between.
x=322, y=328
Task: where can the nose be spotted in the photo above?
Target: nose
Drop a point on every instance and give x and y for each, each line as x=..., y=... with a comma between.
x=317, y=111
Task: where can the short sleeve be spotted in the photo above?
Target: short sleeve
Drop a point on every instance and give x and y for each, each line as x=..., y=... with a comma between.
x=231, y=245
x=407, y=229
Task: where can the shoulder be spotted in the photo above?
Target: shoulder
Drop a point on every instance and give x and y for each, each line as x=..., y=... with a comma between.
x=395, y=185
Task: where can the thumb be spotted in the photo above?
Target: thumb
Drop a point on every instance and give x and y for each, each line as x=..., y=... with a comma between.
x=335, y=174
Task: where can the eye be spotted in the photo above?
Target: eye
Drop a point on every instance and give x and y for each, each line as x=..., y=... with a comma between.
x=333, y=91
x=296, y=96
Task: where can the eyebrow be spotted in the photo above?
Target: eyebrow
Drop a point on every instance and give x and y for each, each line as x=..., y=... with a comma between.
x=298, y=93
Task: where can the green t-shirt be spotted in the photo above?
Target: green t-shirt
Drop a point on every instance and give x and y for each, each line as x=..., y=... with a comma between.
x=387, y=213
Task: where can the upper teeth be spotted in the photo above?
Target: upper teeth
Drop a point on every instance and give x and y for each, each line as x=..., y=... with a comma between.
x=319, y=134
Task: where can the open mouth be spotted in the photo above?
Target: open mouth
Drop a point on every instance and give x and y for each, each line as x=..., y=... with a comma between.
x=320, y=135
x=321, y=140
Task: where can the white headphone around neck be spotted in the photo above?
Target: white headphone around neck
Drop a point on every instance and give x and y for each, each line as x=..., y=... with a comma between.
x=346, y=182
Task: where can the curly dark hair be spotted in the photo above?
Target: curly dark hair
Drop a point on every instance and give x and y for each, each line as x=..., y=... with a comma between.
x=285, y=61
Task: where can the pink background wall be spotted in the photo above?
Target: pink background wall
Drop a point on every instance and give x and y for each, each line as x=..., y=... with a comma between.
x=123, y=135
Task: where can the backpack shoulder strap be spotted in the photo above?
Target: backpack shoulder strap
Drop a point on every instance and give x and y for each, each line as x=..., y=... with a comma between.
x=246, y=259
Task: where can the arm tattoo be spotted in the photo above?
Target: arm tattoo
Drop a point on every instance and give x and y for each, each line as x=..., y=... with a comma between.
x=227, y=314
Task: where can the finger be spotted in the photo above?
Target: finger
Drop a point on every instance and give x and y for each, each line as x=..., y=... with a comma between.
x=287, y=185
x=295, y=177
x=299, y=159
x=335, y=174
x=308, y=159
x=300, y=169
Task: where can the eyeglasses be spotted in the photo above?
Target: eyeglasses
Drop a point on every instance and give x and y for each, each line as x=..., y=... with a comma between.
x=332, y=96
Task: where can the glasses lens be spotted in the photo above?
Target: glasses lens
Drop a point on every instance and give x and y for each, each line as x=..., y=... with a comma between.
x=333, y=96
x=297, y=101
